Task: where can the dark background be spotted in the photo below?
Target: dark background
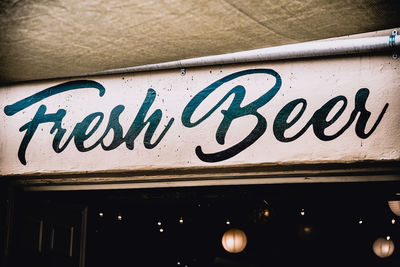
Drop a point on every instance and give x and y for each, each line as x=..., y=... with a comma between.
x=332, y=212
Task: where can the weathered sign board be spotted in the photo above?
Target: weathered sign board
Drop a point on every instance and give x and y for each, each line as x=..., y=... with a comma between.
x=302, y=111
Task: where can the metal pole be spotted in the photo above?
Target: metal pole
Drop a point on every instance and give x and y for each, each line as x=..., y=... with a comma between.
x=300, y=50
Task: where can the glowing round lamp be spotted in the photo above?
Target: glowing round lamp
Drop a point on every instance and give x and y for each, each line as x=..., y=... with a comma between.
x=383, y=248
x=234, y=240
x=394, y=205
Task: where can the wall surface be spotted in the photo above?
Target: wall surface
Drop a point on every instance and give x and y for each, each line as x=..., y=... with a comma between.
x=302, y=111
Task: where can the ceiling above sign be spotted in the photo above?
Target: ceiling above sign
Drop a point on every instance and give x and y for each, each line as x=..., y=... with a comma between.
x=63, y=38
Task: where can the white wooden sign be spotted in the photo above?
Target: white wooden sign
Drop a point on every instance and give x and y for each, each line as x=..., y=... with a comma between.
x=304, y=111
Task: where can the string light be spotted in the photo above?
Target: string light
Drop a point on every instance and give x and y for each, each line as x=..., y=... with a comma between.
x=393, y=221
x=228, y=222
x=119, y=218
x=360, y=221
x=266, y=213
x=181, y=220
x=388, y=237
x=302, y=212
x=161, y=230
x=159, y=223
x=101, y=214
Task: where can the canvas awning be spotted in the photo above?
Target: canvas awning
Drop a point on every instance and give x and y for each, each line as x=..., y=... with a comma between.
x=47, y=39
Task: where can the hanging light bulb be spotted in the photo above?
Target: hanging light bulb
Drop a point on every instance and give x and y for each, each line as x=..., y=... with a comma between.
x=262, y=214
x=234, y=240
x=383, y=248
x=266, y=212
x=394, y=206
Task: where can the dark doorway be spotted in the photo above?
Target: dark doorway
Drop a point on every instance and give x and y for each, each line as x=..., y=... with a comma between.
x=285, y=225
